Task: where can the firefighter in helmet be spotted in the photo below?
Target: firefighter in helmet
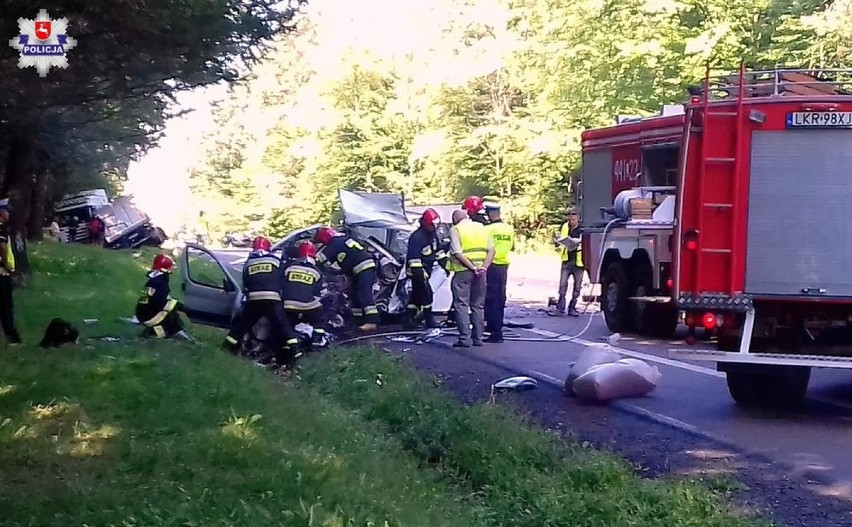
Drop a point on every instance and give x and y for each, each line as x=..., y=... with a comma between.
x=343, y=253
x=302, y=292
x=475, y=208
x=423, y=252
x=156, y=309
x=262, y=285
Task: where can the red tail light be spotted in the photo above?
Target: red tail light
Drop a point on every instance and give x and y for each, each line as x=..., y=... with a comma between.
x=670, y=283
x=708, y=321
x=690, y=240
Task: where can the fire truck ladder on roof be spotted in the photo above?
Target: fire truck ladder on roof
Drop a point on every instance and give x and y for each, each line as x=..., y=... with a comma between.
x=725, y=176
x=721, y=170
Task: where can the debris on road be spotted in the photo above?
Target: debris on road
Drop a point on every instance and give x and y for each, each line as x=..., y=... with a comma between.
x=519, y=383
x=420, y=338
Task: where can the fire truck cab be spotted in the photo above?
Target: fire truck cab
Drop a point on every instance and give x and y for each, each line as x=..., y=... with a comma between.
x=730, y=214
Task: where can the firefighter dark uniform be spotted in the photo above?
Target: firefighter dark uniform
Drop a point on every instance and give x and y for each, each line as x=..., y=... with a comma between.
x=503, y=236
x=302, y=293
x=423, y=252
x=156, y=309
x=340, y=251
x=262, y=285
x=7, y=267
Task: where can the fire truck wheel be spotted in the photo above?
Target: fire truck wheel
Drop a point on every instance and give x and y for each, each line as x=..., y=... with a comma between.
x=615, y=288
x=775, y=386
x=642, y=313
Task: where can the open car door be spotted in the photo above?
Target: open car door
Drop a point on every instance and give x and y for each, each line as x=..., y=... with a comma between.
x=211, y=294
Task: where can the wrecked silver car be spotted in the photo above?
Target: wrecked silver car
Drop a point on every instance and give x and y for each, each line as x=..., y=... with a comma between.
x=211, y=280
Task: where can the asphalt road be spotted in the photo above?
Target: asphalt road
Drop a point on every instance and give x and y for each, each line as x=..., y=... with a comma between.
x=813, y=441
x=692, y=396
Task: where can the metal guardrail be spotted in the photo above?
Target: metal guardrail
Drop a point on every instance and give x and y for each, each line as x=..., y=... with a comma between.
x=777, y=82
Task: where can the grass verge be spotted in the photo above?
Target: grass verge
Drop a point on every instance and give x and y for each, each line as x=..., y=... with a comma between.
x=134, y=433
x=526, y=477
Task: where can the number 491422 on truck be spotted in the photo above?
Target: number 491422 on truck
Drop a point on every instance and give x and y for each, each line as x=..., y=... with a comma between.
x=730, y=214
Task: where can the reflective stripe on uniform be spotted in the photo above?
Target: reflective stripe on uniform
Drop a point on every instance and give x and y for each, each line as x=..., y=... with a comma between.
x=159, y=331
x=363, y=266
x=357, y=311
x=415, y=262
x=161, y=316
x=371, y=310
x=302, y=274
x=263, y=295
x=231, y=340
x=295, y=305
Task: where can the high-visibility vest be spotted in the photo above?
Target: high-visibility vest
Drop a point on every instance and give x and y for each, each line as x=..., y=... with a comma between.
x=503, y=236
x=10, y=257
x=564, y=252
x=473, y=238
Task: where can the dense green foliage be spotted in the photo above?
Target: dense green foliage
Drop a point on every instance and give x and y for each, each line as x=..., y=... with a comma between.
x=485, y=96
x=81, y=126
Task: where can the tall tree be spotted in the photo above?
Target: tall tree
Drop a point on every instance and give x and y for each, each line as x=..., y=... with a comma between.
x=130, y=60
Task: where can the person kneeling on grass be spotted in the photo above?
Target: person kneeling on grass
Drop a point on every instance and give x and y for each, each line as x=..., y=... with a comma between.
x=156, y=309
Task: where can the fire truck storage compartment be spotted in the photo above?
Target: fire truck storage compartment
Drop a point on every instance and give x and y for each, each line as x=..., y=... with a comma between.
x=800, y=197
x=597, y=185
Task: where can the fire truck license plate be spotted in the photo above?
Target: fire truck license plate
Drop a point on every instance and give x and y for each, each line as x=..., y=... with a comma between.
x=819, y=119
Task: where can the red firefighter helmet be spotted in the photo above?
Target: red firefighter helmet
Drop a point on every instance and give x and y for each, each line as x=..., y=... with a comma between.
x=472, y=205
x=163, y=263
x=324, y=235
x=307, y=249
x=429, y=217
x=261, y=243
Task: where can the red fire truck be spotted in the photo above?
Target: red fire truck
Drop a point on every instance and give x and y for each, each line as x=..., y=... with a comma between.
x=730, y=214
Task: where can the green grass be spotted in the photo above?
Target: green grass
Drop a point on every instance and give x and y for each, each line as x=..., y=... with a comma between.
x=526, y=477
x=136, y=433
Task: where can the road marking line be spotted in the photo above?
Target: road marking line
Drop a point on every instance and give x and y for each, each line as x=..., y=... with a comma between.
x=831, y=401
x=654, y=416
x=619, y=405
x=635, y=354
x=547, y=377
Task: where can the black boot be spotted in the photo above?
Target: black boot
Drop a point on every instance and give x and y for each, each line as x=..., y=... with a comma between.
x=410, y=320
x=560, y=304
x=430, y=319
x=319, y=340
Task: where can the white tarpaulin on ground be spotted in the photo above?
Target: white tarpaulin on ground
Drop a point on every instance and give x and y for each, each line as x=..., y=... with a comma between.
x=613, y=380
x=600, y=374
x=591, y=356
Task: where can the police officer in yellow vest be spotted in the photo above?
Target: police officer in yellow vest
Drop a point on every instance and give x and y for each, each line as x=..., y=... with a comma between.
x=472, y=252
x=7, y=267
x=503, y=237
x=572, y=262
